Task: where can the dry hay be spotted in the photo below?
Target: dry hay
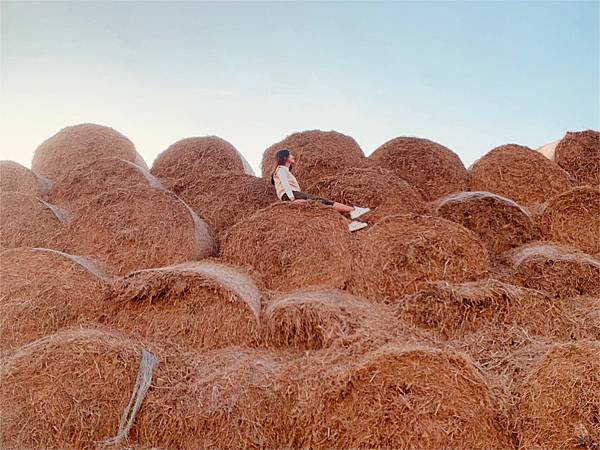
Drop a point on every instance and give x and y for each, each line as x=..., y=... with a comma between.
x=318, y=154
x=16, y=178
x=573, y=218
x=500, y=223
x=223, y=199
x=519, y=173
x=88, y=180
x=579, y=154
x=559, y=399
x=27, y=221
x=80, y=144
x=199, y=305
x=397, y=255
x=548, y=150
x=376, y=188
x=292, y=245
x=429, y=167
x=194, y=158
x=138, y=228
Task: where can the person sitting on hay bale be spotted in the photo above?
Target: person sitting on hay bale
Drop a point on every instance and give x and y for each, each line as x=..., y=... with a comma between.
x=288, y=189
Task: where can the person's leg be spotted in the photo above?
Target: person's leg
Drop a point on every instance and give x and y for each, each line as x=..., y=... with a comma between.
x=339, y=207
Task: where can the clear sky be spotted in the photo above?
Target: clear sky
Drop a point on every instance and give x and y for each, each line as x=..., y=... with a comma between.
x=470, y=75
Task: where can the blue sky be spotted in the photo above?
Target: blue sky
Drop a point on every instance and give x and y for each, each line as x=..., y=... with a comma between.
x=470, y=75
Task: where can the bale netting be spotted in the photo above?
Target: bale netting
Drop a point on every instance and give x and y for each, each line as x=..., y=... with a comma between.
x=559, y=399
x=318, y=154
x=573, y=218
x=190, y=159
x=88, y=180
x=292, y=246
x=520, y=174
x=579, y=154
x=379, y=189
x=138, y=228
x=429, y=167
x=28, y=221
x=80, y=144
x=197, y=305
x=17, y=178
x=397, y=255
x=500, y=223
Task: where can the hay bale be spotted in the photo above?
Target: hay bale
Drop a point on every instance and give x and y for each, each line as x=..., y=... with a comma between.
x=429, y=167
x=28, y=221
x=292, y=245
x=560, y=399
x=379, y=189
x=500, y=223
x=318, y=154
x=80, y=144
x=520, y=174
x=88, y=180
x=138, y=228
x=548, y=150
x=198, y=305
x=573, y=218
x=225, y=198
x=16, y=178
x=397, y=255
x=579, y=154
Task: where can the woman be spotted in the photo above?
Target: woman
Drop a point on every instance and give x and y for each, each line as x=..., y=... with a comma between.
x=288, y=189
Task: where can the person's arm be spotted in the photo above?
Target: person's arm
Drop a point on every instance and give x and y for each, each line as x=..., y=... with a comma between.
x=282, y=174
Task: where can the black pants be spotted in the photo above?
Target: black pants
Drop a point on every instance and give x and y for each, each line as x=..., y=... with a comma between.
x=304, y=196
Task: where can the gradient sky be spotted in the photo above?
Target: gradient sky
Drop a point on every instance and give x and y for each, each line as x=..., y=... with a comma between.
x=469, y=75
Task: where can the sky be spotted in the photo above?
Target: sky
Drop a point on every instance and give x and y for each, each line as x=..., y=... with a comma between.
x=469, y=75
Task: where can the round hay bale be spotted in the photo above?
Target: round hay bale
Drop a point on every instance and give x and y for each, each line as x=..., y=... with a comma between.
x=559, y=399
x=194, y=158
x=225, y=198
x=520, y=174
x=88, y=180
x=292, y=245
x=579, y=154
x=376, y=188
x=548, y=150
x=197, y=305
x=138, y=228
x=17, y=178
x=27, y=221
x=80, y=144
x=500, y=223
x=431, y=168
x=397, y=255
x=573, y=218
x=318, y=154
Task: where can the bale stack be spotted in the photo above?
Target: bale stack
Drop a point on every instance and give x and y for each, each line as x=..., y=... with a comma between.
x=520, y=174
x=579, y=154
x=429, y=167
x=397, y=255
x=16, y=178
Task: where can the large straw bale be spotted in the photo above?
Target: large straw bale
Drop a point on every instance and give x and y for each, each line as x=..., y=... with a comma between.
x=573, y=218
x=376, y=188
x=548, y=150
x=500, y=223
x=520, y=174
x=80, y=144
x=318, y=154
x=431, y=168
x=400, y=253
x=17, y=178
x=28, y=221
x=138, y=228
x=292, y=245
x=579, y=154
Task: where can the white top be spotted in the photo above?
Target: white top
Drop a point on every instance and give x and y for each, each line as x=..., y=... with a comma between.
x=285, y=182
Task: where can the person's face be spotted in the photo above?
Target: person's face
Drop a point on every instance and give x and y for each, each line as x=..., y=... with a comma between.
x=291, y=159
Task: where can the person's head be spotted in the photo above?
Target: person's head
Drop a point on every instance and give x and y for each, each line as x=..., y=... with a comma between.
x=283, y=157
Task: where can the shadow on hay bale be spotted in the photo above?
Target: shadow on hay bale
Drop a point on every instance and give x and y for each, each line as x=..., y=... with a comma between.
x=500, y=223
x=520, y=174
x=81, y=144
x=16, y=178
x=579, y=154
x=138, y=228
x=292, y=246
x=400, y=253
x=376, y=188
x=429, y=167
x=573, y=218
x=318, y=154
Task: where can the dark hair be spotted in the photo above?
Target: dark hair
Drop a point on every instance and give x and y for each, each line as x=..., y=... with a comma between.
x=280, y=159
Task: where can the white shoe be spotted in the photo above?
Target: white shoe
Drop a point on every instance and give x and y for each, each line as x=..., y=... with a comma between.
x=355, y=226
x=357, y=212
